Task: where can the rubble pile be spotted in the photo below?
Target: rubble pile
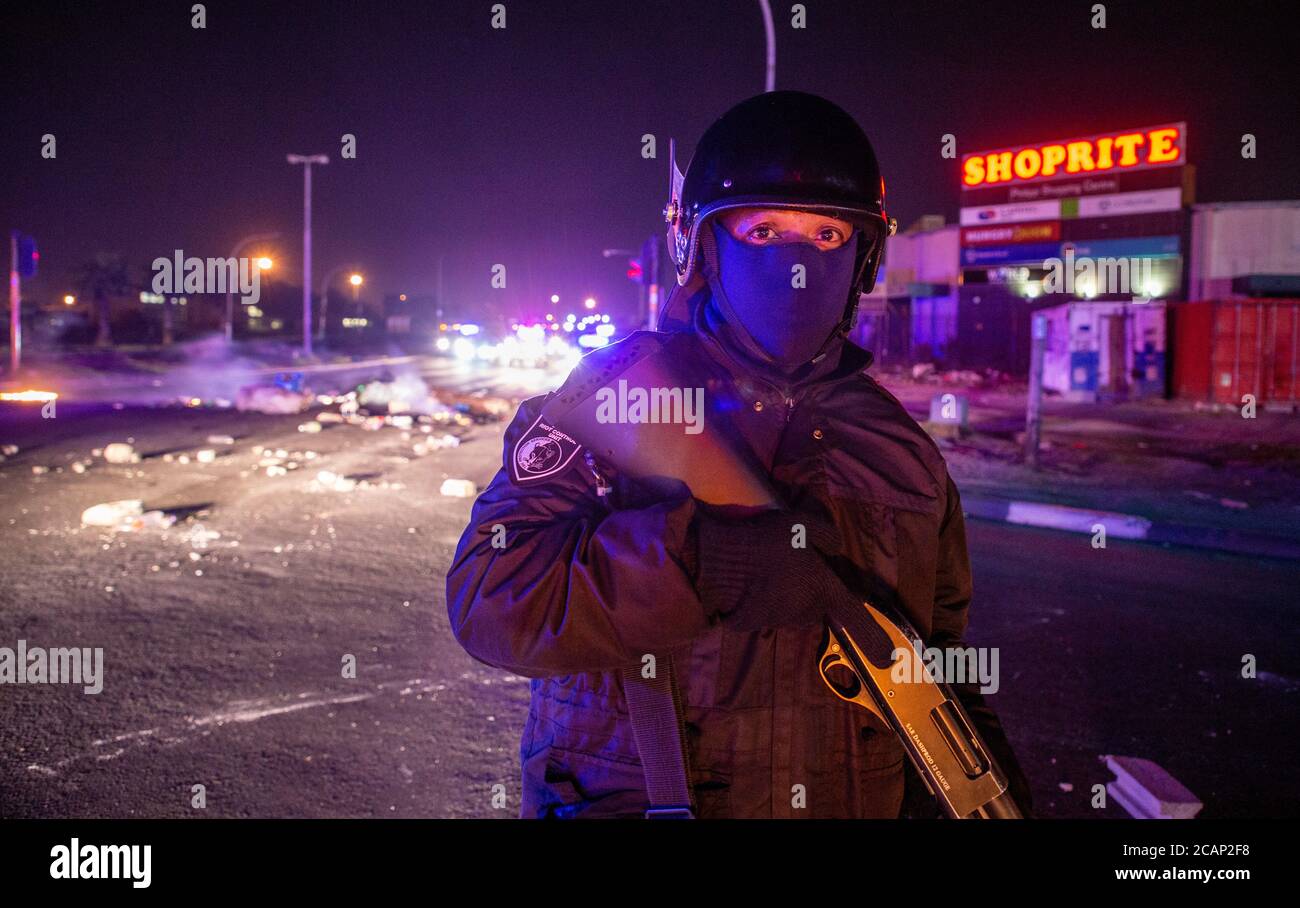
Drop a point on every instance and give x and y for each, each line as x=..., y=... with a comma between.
x=273, y=399
x=928, y=373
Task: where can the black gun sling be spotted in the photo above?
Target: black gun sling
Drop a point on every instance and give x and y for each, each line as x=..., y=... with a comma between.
x=656, y=709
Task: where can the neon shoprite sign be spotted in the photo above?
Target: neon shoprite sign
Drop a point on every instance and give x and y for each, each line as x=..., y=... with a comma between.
x=1134, y=149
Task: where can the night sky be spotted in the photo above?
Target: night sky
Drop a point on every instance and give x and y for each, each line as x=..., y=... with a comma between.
x=523, y=145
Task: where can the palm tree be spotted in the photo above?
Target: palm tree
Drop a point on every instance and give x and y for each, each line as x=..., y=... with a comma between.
x=101, y=280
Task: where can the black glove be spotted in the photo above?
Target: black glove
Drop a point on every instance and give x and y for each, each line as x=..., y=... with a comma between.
x=750, y=573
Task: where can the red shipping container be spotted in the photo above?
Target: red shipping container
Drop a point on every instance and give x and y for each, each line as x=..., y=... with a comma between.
x=1226, y=349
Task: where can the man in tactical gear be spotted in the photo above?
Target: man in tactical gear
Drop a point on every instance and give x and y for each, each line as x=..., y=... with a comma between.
x=575, y=570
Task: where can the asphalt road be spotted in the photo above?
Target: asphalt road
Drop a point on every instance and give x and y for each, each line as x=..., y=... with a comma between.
x=222, y=655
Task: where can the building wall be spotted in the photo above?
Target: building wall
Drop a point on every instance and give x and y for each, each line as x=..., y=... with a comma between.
x=930, y=259
x=934, y=327
x=1238, y=238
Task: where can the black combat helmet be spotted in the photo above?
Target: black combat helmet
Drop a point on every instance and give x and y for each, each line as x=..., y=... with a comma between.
x=782, y=149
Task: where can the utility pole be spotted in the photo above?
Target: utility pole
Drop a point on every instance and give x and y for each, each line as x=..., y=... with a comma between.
x=15, y=311
x=438, y=307
x=1033, y=407
x=22, y=263
x=769, y=79
x=650, y=280
x=306, y=161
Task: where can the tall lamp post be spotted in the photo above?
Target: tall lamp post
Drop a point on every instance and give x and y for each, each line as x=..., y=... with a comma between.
x=769, y=78
x=354, y=279
x=230, y=291
x=306, y=161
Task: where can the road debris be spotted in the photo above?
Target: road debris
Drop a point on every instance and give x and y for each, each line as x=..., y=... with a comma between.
x=1147, y=791
x=272, y=400
x=112, y=513
x=458, y=488
x=125, y=516
x=334, y=482
x=121, y=452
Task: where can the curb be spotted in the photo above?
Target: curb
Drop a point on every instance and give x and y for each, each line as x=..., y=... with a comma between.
x=1128, y=526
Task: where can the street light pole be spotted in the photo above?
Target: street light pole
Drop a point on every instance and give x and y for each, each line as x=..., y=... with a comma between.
x=325, y=295
x=15, y=308
x=230, y=291
x=1034, y=400
x=769, y=79
x=306, y=161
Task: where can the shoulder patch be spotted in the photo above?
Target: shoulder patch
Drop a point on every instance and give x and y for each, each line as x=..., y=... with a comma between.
x=542, y=451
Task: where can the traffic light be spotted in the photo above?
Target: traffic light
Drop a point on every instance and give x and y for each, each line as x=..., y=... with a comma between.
x=28, y=255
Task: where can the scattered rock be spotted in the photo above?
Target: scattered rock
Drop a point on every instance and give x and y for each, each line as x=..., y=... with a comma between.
x=458, y=488
x=121, y=452
x=112, y=513
x=151, y=520
x=198, y=537
x=334, y=482
x=272, y=399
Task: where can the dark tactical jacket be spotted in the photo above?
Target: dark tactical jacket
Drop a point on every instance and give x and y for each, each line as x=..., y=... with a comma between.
x=588, y=582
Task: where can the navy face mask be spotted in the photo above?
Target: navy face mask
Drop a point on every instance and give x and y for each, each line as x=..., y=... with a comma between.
x=755, y=288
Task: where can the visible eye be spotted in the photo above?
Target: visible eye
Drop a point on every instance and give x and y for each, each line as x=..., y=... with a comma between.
x=763, y=233
x=831, y=236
